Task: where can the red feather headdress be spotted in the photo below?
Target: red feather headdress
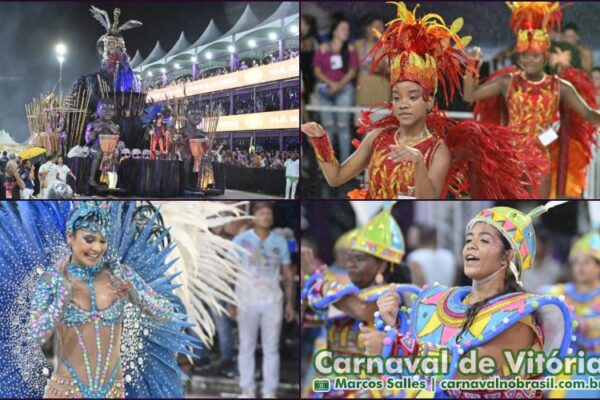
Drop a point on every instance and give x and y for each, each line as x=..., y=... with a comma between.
x=423, y=50
x=531, y=21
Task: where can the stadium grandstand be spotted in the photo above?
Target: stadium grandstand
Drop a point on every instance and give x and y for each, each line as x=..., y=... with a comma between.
x=250, y=71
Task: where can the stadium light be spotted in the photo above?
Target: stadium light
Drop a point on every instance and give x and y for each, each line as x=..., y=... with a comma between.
x=60, y=51
x=252, y=43
x=176, y=66
x=163, y=70
x=149, y=73
x=294, y=29
x=194, y=59
x=273, y=36
x=231, y=49
x=209, y=56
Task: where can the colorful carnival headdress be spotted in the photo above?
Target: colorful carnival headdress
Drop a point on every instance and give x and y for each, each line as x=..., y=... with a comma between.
x=588, y=244
x=531, y=21
x=423, y=50
x=517, y=228
x=381, y=237
x=112, y=41
x=345, y=241
x=91, y=215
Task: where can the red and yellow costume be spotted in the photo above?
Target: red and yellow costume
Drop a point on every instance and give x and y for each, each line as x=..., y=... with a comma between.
x=162, y=137
x=427, y=52
x=531, y=108
x=389, y=178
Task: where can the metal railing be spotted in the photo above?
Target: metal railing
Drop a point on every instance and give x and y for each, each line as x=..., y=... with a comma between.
x=357, y=109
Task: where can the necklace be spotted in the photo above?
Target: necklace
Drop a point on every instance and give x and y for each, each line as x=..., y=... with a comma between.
x=416, y=140
x=96, y=380
x=84, y=273
x=539, y=81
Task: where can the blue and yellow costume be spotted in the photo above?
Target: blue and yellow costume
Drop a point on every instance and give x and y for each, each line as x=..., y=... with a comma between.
x=438, y=314
x=382, y=238
x=125, y=349
x=586, y=310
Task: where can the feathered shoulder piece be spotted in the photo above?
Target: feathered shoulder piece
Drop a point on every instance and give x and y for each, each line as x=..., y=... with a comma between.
x=423, y=50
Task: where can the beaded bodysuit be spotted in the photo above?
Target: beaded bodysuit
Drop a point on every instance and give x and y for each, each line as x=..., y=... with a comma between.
x=89, y=332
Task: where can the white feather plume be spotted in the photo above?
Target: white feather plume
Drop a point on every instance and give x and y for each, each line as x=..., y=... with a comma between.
x=132, y=23
x=210, y=265
x=101, y=16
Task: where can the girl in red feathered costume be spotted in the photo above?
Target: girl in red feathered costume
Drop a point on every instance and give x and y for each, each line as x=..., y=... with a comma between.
x=412, y=149
x=533, y=103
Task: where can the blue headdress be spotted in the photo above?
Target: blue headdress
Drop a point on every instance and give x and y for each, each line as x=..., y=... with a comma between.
x=91, y=215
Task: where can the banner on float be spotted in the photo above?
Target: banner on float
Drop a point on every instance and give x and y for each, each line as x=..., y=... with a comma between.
x=288, y=119
x=267, y=73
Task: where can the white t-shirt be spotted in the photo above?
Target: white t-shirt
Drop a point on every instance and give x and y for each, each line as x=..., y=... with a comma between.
x=263, y=262
x=292, y=168
x=59, y=172
x=437, y=265
x=47, y=168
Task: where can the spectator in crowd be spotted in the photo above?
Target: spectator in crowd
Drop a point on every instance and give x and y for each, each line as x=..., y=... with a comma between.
x=46, y=176
x=372, y=87
x=27, y=173
x=3, y=161
x=308, y=47
x=428, y=262
x=292, y=174
x=277, y=163
x=11, y=183
x=335, y=66
x=61, y=171
x=292, y=98
x=570, y=34
x=562, y=54
x=262, y=300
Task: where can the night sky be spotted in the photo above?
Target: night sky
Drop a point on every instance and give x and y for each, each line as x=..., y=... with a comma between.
x=29, y=32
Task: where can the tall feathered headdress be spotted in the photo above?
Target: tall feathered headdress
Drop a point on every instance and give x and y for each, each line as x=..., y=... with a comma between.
x=423, y=50
x=531, y=21
x=114, y=28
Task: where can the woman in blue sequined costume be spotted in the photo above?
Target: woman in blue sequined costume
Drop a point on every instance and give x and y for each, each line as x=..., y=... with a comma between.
x=105, y=296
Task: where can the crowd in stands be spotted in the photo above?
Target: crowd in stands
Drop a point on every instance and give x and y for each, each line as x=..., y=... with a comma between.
x=244, y=64
x=273, y=159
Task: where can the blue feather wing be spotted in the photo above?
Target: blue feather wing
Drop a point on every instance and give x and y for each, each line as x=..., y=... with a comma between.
x=31, y=237
x=160, y=375
x=150, y=113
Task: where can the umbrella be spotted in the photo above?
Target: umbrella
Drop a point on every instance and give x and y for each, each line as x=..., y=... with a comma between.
x=31, y=153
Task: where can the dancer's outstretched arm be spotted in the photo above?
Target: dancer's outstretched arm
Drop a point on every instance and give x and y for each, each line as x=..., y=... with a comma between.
x=337, y=174
x=473, y=91
x=571, y=97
